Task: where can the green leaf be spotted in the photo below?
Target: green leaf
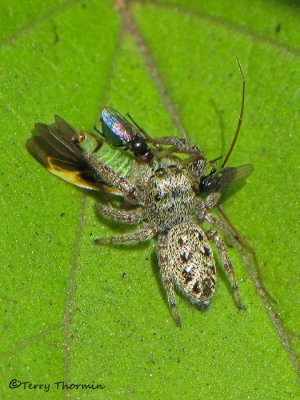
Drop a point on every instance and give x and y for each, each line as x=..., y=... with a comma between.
x=78, y=313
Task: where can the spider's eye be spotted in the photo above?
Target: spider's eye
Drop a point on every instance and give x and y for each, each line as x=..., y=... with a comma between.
x=205, y=184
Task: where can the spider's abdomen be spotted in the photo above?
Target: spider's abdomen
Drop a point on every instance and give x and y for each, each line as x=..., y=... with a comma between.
x=187, y=252
x=170, y=197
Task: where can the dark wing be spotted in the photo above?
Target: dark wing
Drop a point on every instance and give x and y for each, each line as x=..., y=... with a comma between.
x=57, y=148
x=225, y=178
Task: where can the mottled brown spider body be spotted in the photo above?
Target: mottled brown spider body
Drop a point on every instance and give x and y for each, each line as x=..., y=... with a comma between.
x=170, y=207
x=185, y=256
x=169, y=197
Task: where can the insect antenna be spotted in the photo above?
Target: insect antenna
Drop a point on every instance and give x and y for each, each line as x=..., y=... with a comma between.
x=240, y=118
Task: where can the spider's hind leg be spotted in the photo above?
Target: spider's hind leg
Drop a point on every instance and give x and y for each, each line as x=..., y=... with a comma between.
x=166, y=276
x=244, y=249
x=216, y=237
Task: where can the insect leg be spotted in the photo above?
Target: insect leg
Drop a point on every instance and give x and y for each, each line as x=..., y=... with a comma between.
x=215, y=236
x=129, y=217
x=141, y=130
x=178, y=145
x=147, y=232
x=166, y=276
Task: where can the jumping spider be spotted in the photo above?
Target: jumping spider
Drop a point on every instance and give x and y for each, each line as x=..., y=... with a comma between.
x=170, y=197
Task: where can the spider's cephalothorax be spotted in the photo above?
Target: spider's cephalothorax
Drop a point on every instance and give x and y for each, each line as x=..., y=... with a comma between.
x=171, y=197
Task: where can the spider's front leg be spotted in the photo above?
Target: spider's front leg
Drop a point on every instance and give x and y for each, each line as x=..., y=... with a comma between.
x=104, y=172
x=216, y=237
x=123, y=216
x=178, y=145
x=147, y=232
